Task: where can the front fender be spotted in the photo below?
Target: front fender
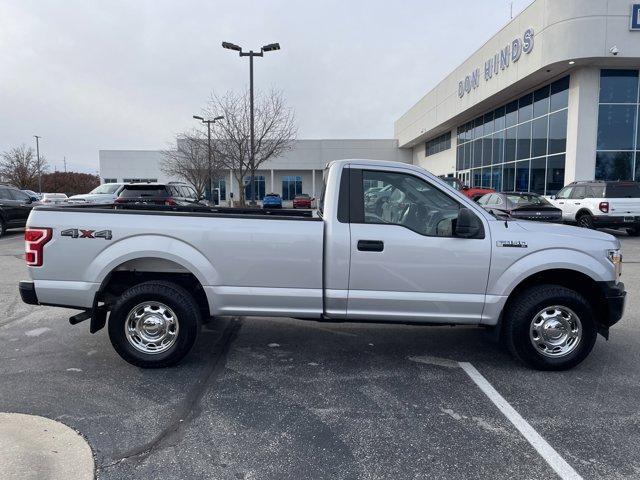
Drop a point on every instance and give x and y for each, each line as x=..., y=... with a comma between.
x=505, y=277
x=152, y=246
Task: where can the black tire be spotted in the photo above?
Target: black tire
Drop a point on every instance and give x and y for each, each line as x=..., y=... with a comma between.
x=585, y=221
x=522, y=312
x=187, y=319
x=3, y=228
x=633, y=232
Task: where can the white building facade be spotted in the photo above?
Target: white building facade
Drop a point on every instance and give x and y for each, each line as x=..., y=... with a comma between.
x=298, y=170
x=553, y=97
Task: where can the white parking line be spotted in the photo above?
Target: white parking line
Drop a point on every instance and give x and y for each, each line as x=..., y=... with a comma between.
x=546, y=451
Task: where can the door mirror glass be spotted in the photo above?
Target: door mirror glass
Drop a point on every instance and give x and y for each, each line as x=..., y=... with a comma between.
x=552, y=197
x=468, y=224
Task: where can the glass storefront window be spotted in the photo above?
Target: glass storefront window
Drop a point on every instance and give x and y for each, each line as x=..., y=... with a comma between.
x=619, y=86
x=558, y=132
x=291, y=186
x=522, y=176
x=555, y=174
x=537, y=176
x=614, y=166
x=259, y=183
x=523, y=131
x=539, y=136
x=559, y=95
x=524, y=141
x=541, y=102
x=509, y=177
x=616, y=127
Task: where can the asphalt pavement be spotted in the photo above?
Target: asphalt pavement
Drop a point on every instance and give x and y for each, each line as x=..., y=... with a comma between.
x=279, y=398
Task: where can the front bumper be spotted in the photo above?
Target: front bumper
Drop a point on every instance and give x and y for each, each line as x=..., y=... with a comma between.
x=615, y=296
x=28, y=292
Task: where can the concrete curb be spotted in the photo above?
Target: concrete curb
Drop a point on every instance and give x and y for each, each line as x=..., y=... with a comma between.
x=33, y=447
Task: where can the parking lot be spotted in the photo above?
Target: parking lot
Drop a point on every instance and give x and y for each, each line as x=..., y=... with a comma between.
x=279, y=398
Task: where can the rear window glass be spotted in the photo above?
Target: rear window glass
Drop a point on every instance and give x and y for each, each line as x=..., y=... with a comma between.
x=623, y=190
x=133, y=191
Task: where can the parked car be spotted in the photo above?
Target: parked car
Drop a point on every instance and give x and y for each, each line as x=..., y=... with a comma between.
x=15, y=207
x=474, y=193
x=435, y=257
x=170, y=194
x=102, y=194
x=302, y=201
x=601, y=204
x=32, y=194
x=53, y=198
x=521, y=206
x=272, y=200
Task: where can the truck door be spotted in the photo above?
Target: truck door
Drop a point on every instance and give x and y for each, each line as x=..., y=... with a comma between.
x=561, y=201
x=22, y=205
x=406, y=262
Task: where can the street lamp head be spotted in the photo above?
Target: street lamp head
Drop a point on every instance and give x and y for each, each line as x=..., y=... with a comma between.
x=231, y=46
x=271, y=47
x=198, y=118
x=220, y=117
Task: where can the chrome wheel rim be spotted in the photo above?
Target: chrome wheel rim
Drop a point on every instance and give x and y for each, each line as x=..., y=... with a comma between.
x=555, y=331
x=151, y=327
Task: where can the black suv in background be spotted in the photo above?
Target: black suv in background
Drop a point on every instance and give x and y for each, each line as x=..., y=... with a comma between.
x=15, y=207
x=172, y=194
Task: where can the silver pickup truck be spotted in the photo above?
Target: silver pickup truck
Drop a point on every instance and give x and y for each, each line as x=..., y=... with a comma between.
x=425, y=255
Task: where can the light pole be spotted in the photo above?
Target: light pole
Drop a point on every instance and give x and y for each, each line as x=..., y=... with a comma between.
x=38, y=157
x=266, y=48
x=209, y=180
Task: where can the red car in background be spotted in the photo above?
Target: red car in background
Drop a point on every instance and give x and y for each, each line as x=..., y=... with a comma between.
x=302, y=201
x=474, y=193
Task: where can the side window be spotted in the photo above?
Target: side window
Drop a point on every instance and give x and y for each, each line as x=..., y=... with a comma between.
x=564, y=193
x=485, y=199
x=579, y=193
x=498, y=200
x=411, y=202
x=4, y=194
x=18, y=195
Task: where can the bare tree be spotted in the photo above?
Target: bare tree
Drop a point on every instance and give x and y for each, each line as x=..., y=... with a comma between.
x=19, y=167
x=274, y=127
x=189, y=161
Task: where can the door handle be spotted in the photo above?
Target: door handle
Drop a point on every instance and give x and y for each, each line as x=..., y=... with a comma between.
x=370, y=245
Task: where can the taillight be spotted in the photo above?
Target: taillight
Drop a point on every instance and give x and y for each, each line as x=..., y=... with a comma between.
x=170, y=201
x=604, y=207
x=34, y=242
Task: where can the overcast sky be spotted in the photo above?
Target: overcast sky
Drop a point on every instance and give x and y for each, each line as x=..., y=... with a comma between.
x=129, y=74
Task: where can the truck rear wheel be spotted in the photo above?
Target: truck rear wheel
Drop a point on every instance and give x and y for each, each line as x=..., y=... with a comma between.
x=3, y=227
x=154, y=324
x=585, y=221
x=550, y=327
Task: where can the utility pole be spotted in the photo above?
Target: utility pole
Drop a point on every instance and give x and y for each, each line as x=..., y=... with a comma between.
x=65, y=164
x=39, y=167
x=208, y=188
x=252, y=152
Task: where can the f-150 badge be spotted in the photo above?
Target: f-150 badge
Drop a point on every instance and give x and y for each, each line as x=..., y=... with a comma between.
x=80, y=233
x=512, y=243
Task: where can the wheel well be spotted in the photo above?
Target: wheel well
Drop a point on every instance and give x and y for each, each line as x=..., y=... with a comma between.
x=131, y=273
x=582, y=212
x=577, y=281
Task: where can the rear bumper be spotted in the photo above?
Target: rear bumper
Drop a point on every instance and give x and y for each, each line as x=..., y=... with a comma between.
x=28, y=292
x=616, y=297
x=610, y=221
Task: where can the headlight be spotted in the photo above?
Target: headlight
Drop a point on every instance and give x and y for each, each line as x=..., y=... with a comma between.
x=615, y=257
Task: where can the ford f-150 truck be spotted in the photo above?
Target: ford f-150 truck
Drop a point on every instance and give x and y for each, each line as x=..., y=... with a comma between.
x=430, y=255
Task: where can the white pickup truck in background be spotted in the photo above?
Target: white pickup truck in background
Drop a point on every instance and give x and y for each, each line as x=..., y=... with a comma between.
x=428, y=255
x=600, y=204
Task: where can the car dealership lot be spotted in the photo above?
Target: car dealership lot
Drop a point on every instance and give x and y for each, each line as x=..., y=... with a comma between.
x=278, y=398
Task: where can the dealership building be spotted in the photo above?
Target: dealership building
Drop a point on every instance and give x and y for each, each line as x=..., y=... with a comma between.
x=551, y=98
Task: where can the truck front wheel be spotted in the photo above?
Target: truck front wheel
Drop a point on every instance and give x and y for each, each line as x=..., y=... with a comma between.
x=154, y=324
x=550, y=327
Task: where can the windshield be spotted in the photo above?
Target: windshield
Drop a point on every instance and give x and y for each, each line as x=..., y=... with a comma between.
x=526, y=199
x=106, y=188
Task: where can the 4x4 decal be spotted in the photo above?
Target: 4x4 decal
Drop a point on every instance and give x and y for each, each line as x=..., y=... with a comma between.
x=81, y=233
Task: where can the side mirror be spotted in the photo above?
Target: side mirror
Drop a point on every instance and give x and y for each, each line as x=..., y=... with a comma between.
x=465, y=187
x=468, y=225
x=552, y=197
